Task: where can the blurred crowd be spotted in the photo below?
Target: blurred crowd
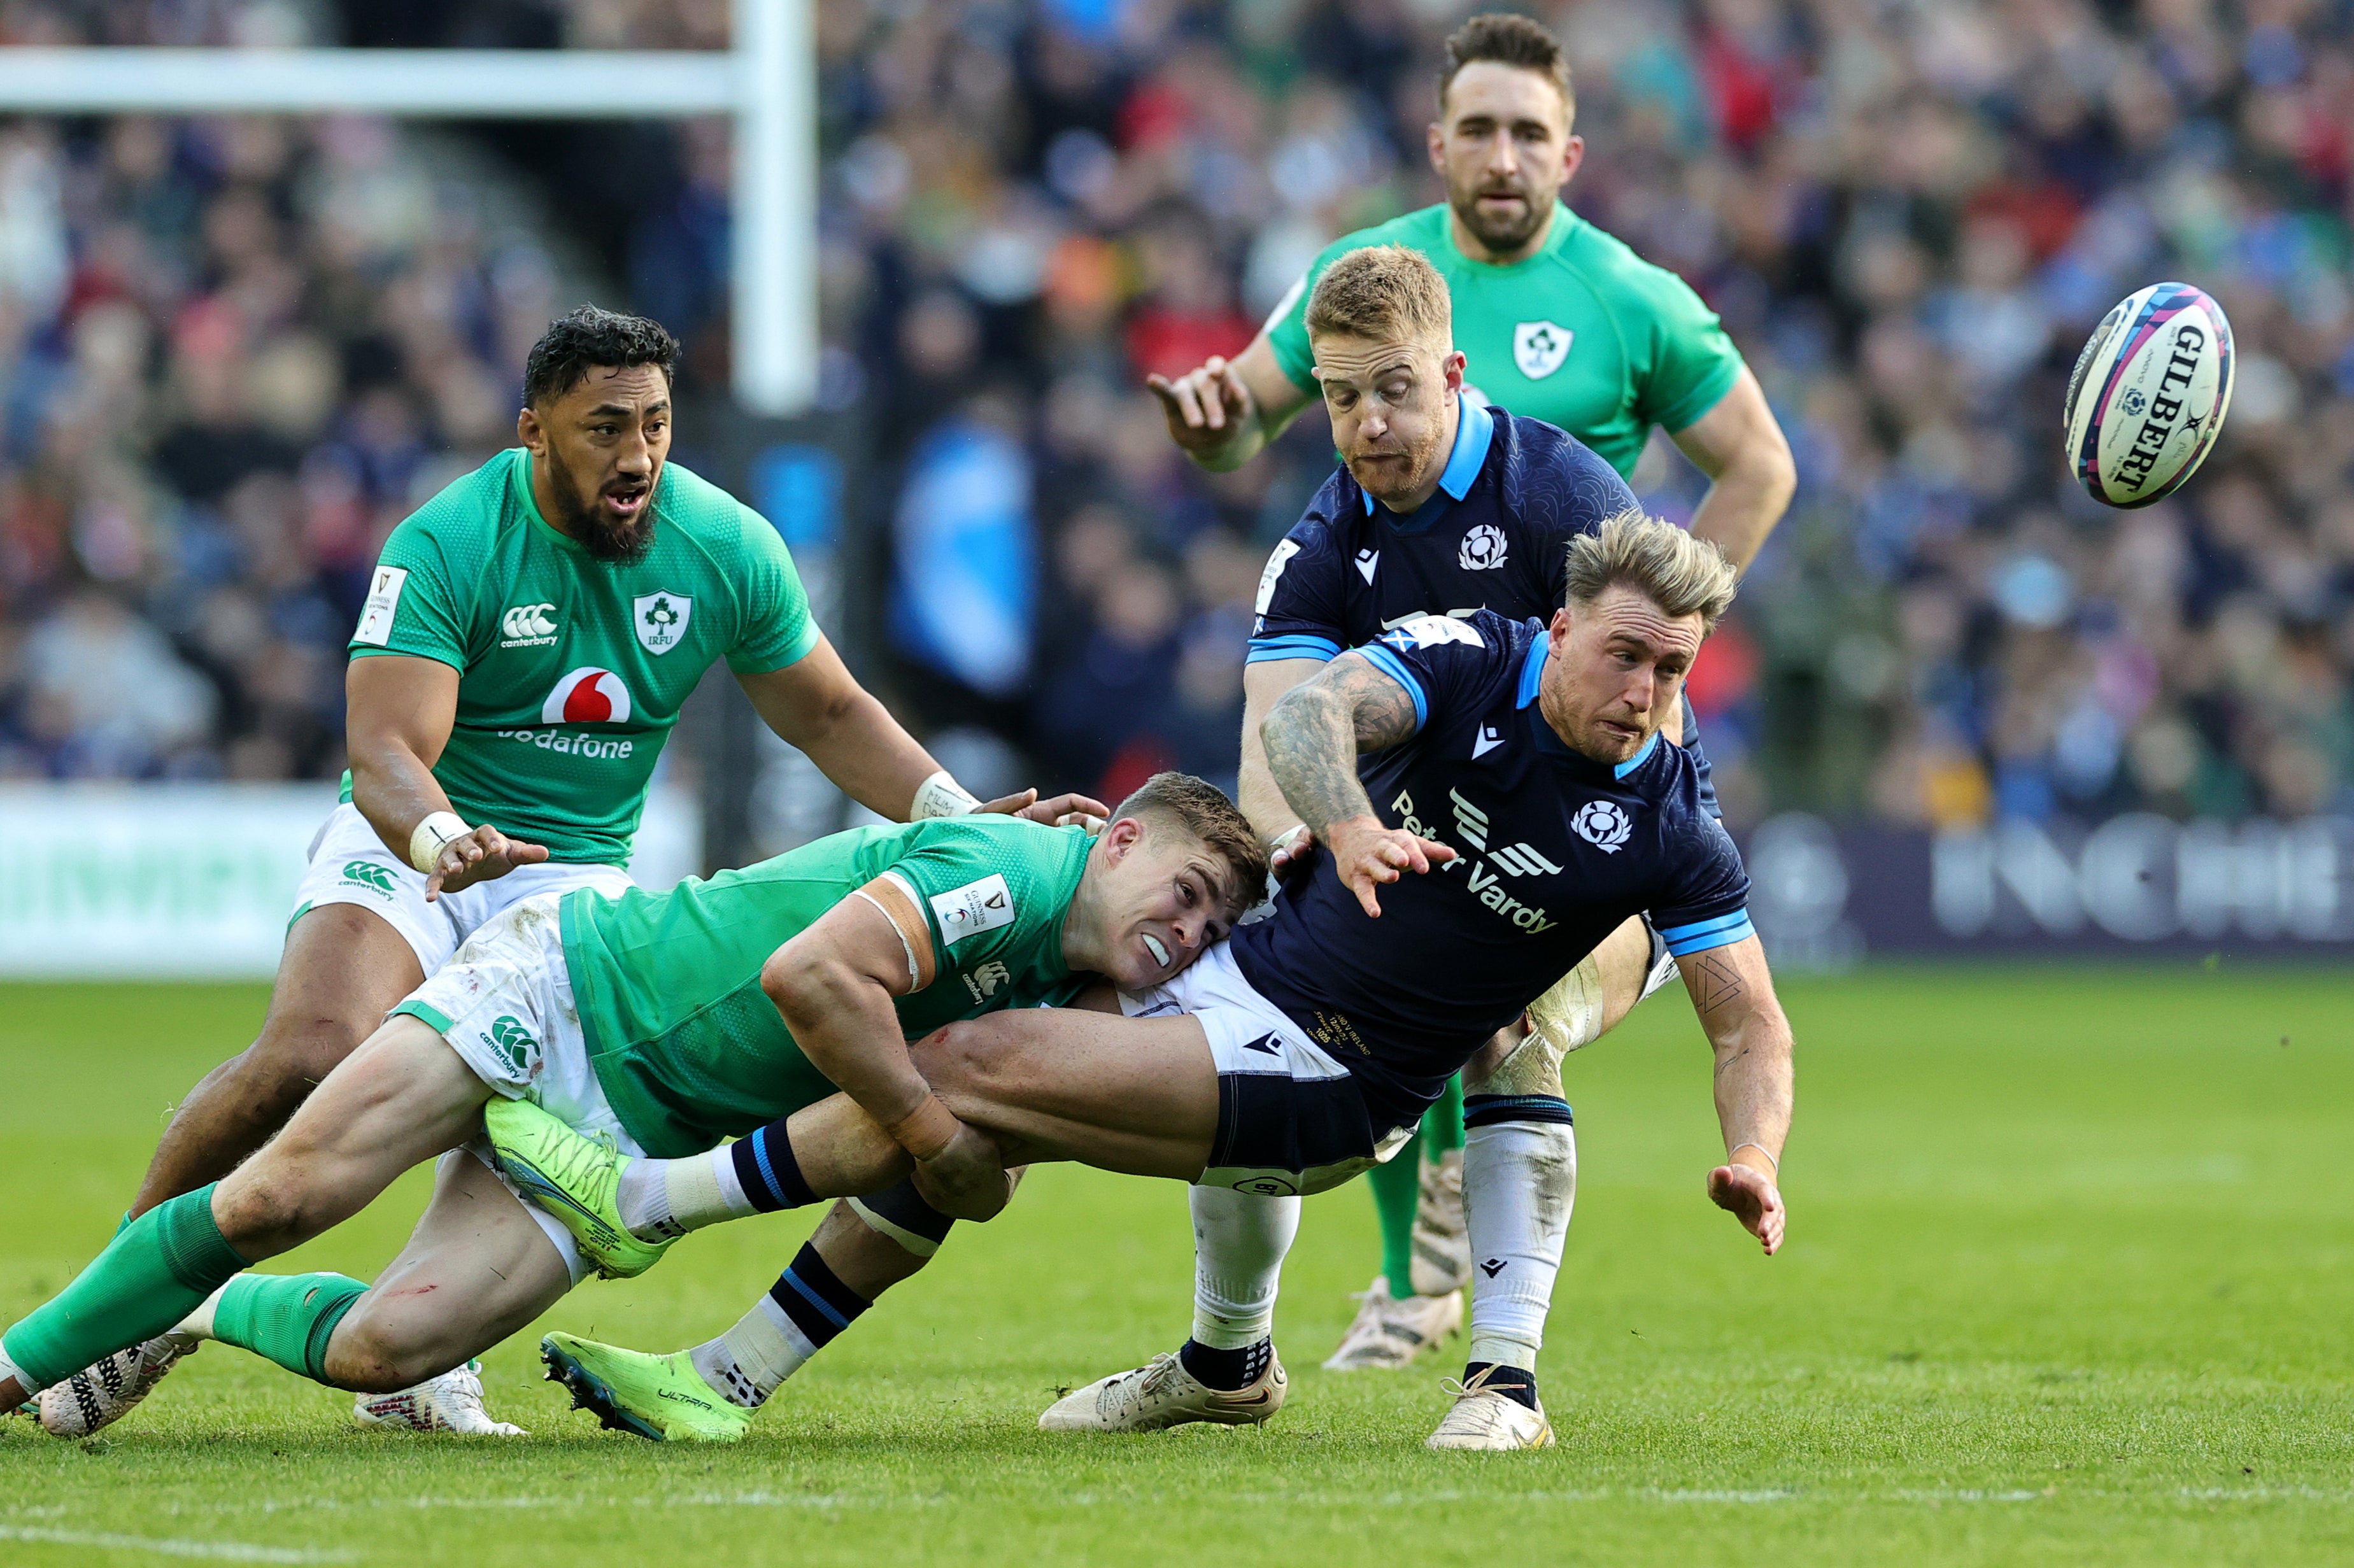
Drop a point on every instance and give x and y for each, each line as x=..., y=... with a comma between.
x=232, y=352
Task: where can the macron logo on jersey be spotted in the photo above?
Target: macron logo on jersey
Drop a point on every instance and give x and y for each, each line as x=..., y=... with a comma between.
x=1368, y=562
x=587, y=695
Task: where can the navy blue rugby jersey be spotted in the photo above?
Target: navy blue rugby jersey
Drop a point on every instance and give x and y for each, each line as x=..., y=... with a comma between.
x=1495, y=536
x=1553, y=852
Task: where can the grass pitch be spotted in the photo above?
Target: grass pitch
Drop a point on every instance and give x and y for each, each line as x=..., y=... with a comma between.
x=2067, y=1284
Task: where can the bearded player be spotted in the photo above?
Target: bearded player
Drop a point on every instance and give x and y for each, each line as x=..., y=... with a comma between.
x=1557, y=320
x=528, y=639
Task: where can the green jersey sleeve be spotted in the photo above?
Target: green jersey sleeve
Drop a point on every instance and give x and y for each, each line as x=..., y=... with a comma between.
x=778, y=627
x=416, y=604
x=993, y=889
x=1692, y=362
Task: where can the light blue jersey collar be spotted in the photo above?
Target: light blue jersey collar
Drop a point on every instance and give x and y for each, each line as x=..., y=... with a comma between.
x=1475, y=427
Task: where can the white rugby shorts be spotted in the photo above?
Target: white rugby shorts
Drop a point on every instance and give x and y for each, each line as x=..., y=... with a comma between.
x=504, y=1004
x=350, y=864
x=1291, y=1118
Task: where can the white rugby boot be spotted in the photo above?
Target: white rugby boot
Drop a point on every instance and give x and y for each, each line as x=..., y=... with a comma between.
x=104, y=1392
x=1162, y=1393
x=1389, y=1333
x=450, y=1403
x=1442, y=1239
x=1487, y=1418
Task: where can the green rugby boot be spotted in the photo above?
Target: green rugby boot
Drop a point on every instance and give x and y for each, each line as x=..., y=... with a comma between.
x=574, y=1178
x=661, y=1398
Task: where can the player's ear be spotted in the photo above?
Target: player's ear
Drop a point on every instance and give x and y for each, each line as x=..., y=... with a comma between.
x=1434, y=139
x=1122, y=836
x=530, y=432
x=1573, y=153
x=1454, y=365
x=1559, y=630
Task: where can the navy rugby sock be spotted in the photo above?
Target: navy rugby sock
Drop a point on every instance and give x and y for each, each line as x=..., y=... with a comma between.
x=767, y=1170
x=1226, y=1370
x=1512, y=1382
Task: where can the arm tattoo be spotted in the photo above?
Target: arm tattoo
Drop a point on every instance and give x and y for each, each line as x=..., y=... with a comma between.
x=1713, y=984
x=1318, y=728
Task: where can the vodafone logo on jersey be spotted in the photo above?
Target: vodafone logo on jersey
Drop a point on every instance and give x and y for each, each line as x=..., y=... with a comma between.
x=587, y=695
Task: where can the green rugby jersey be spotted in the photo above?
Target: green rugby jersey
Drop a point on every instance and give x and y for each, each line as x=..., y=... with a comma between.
x=690, y=1049
x=1584, y=335
x=571, y=670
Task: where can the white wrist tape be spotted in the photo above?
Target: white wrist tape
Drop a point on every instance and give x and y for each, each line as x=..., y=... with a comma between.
x=1285, y=837
x=1762, y=1149
x=941, y=796
x=432, y=834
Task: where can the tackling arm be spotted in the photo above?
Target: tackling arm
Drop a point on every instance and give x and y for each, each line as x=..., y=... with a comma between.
x=1224, y=413
x=1312, y=740
x=832, y=985
x=1732, y=993
x=1256, y=791
x=816, y=705
x=1742, y=449
x=399, y=710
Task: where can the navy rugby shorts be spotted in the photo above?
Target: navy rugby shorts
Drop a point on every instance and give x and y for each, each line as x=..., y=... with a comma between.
x=1291, y=1117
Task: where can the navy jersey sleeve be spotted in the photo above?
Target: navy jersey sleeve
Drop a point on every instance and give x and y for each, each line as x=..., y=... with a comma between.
x=1444, y=662
x=1707, y=904
x=1300, y=593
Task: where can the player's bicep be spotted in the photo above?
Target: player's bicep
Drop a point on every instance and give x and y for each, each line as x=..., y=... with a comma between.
x=399, y=700
x=1383, y=699
x=876, y=934
x=1727, y=984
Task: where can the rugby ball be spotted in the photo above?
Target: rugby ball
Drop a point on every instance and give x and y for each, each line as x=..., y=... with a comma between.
x=2148, y=395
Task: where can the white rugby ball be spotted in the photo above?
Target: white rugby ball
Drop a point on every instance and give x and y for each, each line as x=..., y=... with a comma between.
x=2148, y=395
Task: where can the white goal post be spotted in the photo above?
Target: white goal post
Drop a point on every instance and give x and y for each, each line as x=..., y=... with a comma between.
x=767, y=83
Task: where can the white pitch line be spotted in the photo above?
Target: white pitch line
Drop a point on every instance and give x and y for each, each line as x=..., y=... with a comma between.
x=168, y=1546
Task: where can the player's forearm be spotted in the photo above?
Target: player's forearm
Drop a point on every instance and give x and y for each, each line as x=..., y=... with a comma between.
x=1311, y=746
x=845, y=1023
x=394, y=789
x=1754, y=1081
x=1745, y=502
x=869, y=757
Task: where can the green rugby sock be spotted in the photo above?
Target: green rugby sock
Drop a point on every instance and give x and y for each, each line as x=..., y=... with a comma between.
x=157, y=1270
x=289, y=1318
x=1442, y=1124
x=1396, y=1184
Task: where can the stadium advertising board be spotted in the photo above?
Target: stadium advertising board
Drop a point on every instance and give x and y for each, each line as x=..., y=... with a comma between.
x=193, y=881
x=2136, y=884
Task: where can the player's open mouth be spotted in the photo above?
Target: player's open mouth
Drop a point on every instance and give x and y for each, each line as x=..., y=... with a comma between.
x=627, y=501
x=1159, y=954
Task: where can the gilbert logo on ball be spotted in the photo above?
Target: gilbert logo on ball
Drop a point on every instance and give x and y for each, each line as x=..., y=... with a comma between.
x=2148, y=395
x=587, y=695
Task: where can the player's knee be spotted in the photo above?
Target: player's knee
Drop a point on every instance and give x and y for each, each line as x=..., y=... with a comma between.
x=374, y=1352
x=267, y=1210
x=973, y=1057
x=294, y=1052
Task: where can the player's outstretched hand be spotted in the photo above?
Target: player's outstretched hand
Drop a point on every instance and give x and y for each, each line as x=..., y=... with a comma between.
x=1205, y=406
x=1061, y=812
x=1367, y=855
x=1750, y=1196
x=967, y=1179
x=479, y=856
